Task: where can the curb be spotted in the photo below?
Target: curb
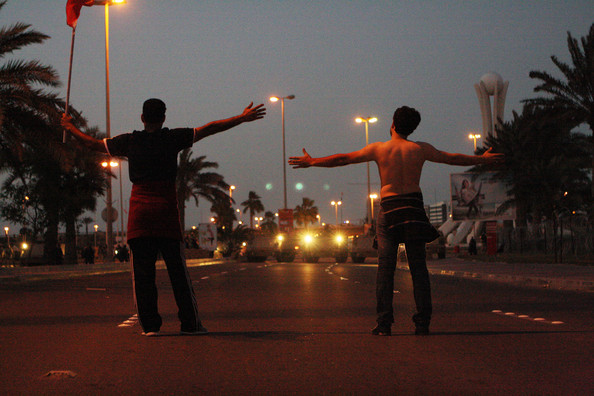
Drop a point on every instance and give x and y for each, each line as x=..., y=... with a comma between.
x=25, y=274
x=517, y=280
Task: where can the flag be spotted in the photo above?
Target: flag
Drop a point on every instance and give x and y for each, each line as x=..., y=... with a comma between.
x=73, y=10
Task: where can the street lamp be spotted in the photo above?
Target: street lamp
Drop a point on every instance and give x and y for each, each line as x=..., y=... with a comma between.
x=336, y=204
x=108, y=198
x=6, y=229
x=282, y=99
x=372, y=197
x=96, y=227
x=367, y=120
x=114, y=164
x=474, y=137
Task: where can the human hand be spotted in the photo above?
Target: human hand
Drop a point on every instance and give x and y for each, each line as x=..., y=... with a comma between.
x=253, y=113
x=66, y=122
x=492, y=158
x=304, y=161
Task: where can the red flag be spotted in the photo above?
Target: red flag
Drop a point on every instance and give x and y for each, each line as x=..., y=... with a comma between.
x=73, y=10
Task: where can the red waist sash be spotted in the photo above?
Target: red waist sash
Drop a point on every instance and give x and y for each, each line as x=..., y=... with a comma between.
x=153, y=211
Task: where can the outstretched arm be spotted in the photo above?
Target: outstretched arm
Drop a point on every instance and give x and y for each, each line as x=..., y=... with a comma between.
x=84, y=139
x=434, y=155
x=305, y=161
x=249, y=114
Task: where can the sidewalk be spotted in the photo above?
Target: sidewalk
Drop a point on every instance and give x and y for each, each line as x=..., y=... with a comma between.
x=553, y=276
x=20, y=274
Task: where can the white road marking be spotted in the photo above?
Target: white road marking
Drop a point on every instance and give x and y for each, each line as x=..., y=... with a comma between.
x=526, y=317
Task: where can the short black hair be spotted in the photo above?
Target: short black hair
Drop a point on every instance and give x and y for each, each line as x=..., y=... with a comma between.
x=406, y=119
x=153, y=111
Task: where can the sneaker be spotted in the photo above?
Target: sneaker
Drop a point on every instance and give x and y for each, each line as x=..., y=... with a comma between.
x=199, y=331
x=382, y=330
x=150, y=333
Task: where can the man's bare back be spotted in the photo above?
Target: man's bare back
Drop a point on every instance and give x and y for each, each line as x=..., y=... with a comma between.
x=399, y=160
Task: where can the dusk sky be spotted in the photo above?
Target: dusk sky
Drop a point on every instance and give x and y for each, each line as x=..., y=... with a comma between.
x=341, y=59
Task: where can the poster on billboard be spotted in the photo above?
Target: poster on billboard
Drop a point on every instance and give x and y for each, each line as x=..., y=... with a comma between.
x=478, y=196
x=285, y=220
x=207, y=236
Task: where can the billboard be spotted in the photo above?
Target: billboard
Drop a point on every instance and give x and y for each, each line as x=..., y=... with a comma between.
x=207, y=236
x=285, y=220
x=478, y=196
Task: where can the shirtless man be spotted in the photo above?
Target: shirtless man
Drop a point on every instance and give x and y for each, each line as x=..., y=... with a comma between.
x=402, y=217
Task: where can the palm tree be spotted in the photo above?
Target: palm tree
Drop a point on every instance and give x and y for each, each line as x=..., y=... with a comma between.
x=224, y=213
x=574, y=94
x=193, y=182
x=545, y=163
x=22, y=103
x=306, y=213
x=269, y=225
x=254, y=205
x=29, y=139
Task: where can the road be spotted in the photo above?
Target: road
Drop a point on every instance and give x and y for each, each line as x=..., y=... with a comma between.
x=294, y=329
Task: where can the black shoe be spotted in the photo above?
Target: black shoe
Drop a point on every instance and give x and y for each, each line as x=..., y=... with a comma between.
x=382, y=330
x=422, y=330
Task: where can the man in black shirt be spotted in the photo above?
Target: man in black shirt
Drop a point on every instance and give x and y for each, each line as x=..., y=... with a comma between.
x=153, y=221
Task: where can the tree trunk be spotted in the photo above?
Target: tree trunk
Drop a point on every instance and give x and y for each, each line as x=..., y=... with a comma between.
x=181, y=206
x=50, y=256
x=70, y=256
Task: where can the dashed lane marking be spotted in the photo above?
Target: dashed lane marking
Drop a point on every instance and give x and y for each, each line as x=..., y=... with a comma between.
x=526, y=317
x=131, y=321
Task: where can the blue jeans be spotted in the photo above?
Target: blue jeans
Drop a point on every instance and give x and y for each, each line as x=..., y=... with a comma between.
x=387, y=257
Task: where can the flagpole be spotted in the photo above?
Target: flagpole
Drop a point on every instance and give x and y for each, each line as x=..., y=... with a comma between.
x=69, y=78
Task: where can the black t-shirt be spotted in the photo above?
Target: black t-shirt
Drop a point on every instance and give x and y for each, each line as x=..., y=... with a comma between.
x=152, y=156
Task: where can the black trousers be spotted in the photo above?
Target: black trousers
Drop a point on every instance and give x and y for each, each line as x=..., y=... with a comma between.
x=144, y=257
x=387, y=257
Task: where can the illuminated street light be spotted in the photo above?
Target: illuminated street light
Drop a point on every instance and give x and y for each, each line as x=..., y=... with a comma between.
x=113, y=164
x=282, y=99
x=474, y=137
x=108, y=198
x=372, y=197
x=6, y=229
x=367, y=120
x=336, y=204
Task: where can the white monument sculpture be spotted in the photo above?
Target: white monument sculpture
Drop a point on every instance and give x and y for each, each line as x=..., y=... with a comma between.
x=491, y=84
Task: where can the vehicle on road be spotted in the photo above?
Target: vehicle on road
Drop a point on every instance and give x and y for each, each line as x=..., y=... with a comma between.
x=261, y=246
x=325, y=242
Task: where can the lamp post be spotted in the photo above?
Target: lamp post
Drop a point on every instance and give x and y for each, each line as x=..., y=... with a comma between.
x=114, y=164
x=336, y=204
x=282, y=99
x=6, y=229
x=367, y=120
x=231, y=188
x=474, y=137
x=372, y=197
x=108, y=197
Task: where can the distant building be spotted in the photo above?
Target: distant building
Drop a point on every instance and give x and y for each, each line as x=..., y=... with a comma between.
x=437, y=213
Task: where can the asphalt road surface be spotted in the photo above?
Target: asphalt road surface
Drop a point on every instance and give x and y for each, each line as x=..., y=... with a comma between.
x=294, y=329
